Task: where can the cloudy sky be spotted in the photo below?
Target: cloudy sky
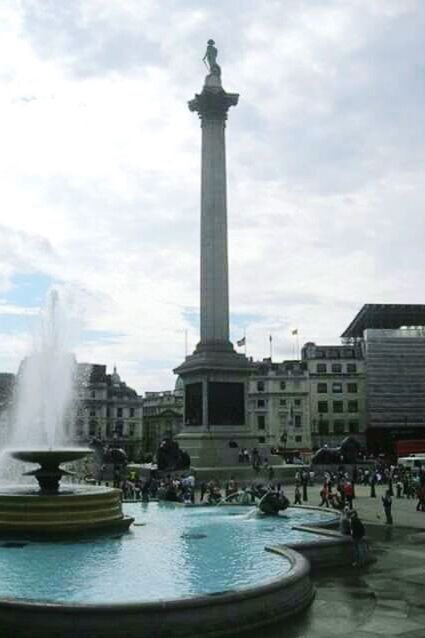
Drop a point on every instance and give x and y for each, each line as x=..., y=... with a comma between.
x=100, y=167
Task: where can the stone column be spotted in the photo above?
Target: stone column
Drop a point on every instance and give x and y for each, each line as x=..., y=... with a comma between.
x=212, y=106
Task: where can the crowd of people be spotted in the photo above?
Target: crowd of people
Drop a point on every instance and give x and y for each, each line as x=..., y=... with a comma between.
x=168, y=488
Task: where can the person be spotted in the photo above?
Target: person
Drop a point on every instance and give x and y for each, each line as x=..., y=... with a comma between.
x=420, y=507
x=297, y=500
x=304, y=482
x=372, y=486
x=324, y=496
x=387, y=502
x=357, y=534
x=344, y=522
x=349, y=495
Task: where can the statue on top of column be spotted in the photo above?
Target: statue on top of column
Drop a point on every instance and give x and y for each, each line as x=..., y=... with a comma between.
x=210, y=58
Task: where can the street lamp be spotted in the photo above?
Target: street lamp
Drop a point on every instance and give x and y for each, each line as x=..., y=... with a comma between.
x=283, y=439
x=320, y=428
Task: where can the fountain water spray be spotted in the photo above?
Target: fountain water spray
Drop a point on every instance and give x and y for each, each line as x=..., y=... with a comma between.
x=45, y=386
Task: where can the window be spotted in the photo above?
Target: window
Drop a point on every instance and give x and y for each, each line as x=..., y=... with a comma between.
x=261, y=439
x=352, y=387
x=297, y=402
x=261, y=422
x=323, y=427
x=337, y=407
x=119, y=412
x=260, y=386
x=108, y=411
x=92, y=428
x=297, y=420
x=337, y=368
x=79, y=427
x=322, y=388
x=93, y=394
x=338, y=427
x=322, y=406
x=353, y=427
x=282, y=402
x=119, y=427
x=132, y=412
x=336, y=388
x=282, y=385
x=353, y=406
x=131, y=429
x=261, y=403
x=108, y=429
x=321, y=368
x=92, y=413
x=351, y=368
x=298, y=439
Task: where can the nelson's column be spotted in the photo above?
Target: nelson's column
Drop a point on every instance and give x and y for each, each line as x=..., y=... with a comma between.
x=214, y=377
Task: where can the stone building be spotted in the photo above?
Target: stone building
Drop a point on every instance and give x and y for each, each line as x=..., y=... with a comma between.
x=337, y=392
x=162, y=416
x=107, y=409
x=279, y=406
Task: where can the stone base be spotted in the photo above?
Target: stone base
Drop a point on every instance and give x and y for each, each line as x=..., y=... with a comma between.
x=71, y=514
x=211, y=449
x=211, y=357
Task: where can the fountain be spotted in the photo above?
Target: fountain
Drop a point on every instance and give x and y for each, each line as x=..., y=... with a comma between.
x=179, y=571
x=45, y=393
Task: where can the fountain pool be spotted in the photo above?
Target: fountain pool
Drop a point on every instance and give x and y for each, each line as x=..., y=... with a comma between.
x=181, y=571
x=173, y=552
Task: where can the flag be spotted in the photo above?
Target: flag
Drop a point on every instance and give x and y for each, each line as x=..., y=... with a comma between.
x=241, y=342
x=270, y=338
x=295, y=332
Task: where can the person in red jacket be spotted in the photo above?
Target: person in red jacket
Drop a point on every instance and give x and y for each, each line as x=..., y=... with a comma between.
x=349, y=494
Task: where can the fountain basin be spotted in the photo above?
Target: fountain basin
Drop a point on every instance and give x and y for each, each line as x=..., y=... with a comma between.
x=54, y=512
x=50, y=456
x=183, y=571
x=211, y=616
x=26, y=513
x=49, y=473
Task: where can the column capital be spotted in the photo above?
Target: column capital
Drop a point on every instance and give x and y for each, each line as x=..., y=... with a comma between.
x=213, y=103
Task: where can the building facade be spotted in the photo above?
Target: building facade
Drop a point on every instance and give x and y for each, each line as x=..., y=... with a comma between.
x=395, y=386
x=107, y=410
x=337, y=393
x=7, y=388
x=162, y=417
x=279, y=406
x=392, y=338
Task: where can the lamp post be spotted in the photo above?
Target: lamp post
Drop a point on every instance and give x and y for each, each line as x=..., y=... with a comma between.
x=283, y=439
x=320, y=429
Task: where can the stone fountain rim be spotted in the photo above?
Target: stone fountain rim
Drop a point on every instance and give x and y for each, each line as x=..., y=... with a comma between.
x=41, y=455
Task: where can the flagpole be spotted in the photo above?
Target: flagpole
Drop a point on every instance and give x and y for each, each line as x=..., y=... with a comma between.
x=244, y=336
x=185, y=343
x=271, y=348
x=298, y=346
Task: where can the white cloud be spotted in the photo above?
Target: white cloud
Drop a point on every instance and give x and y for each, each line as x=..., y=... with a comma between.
x=100, y=166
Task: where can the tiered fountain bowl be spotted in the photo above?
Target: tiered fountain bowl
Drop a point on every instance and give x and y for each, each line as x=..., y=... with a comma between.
x=55, y=511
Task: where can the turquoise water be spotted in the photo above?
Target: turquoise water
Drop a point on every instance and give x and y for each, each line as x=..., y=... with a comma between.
x=172, y=552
